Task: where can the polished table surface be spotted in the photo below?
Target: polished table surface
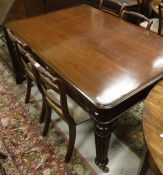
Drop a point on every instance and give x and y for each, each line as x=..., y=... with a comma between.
x=153, y=124
x=107, y=64
x=108, y=59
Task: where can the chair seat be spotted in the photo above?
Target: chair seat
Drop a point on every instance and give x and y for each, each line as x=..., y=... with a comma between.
x=154, y=27
x=78, y=113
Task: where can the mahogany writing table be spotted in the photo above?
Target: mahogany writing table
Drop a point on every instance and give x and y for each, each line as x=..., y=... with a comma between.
x=107, y=64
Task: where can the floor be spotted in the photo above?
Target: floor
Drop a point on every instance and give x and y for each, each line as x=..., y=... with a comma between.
x=122, y=160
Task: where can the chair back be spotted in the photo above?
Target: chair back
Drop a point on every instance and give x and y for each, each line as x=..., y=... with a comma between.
x=46, y=81
x=21, y=48
x=137, y=15
x=112, y=7
x=14, y=39
x=43, y=78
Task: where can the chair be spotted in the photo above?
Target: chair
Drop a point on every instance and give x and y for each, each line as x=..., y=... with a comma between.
x=53, y=90
x=114, y=7
x=20, y=51
x=157, y=22
x=137, y=15
x=25, y=63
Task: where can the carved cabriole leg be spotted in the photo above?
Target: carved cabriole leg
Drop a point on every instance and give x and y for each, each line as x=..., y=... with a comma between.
x=102, y=140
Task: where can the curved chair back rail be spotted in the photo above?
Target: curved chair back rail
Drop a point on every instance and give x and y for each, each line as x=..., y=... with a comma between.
x=25, y=62
x=15, y=39
x=137, y=15
x=19, y=48
x=109, y=10
x=157, y=26
x=19, y=45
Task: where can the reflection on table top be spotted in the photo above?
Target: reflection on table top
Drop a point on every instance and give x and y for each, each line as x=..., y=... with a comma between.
x=105, y=58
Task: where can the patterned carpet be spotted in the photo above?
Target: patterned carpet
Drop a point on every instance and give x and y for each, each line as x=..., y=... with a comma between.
x=21, y=135
x=30, y=153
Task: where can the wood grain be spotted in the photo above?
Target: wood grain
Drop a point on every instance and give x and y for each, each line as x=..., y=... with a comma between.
x=106, y=58
x=153, y=124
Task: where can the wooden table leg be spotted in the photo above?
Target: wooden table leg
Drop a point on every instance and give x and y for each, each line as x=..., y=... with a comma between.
x=144, y=165
x=102, y=140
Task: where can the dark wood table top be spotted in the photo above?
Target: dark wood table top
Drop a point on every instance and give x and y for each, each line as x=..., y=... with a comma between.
x=106, y=59
x=153, y=124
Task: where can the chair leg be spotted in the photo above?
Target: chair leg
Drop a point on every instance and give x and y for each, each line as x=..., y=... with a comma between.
x=72, y=136
x=47, y=119
x=144, y=165
x=43, y=110
x=29, y=85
